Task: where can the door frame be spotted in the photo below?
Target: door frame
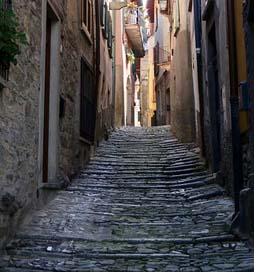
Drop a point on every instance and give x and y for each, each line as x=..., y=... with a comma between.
x=48, y=11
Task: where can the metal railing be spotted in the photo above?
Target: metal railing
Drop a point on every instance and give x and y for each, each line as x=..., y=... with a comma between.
x=135, y=16
x=162, y=56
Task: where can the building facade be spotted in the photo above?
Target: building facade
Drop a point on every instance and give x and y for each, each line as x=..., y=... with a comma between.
x=55, y=103
x=147, y=77
x=181, y=84
x=162, y=61
x=132, y=29
x=224, y=90
x=105, y=71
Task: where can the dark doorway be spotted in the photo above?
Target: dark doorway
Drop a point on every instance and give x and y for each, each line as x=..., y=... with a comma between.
x=168, y=117
x=46, y=100
x=87, y=102
x=214, y=99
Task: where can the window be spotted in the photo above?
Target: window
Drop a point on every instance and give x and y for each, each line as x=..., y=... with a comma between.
x=7, y=4
x=176, y=17
x=139, y=116
x=156, y=59
x=110, y=36
x=87, y=102
x=87, y=16
x=102, y=12
x=106, y=24
x=4, y=68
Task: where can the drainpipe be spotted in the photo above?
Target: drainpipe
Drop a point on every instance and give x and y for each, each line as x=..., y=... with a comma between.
x=234, y=100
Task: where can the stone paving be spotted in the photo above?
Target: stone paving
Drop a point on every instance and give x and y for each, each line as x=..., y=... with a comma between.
x=144, y=203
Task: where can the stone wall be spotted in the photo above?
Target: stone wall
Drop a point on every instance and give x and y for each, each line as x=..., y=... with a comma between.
x=21, y=110
x=218, y=16
x=74, y=152
x=19, y=132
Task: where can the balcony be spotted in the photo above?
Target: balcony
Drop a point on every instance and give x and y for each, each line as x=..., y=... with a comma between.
x=162, y=56
x=137, y=31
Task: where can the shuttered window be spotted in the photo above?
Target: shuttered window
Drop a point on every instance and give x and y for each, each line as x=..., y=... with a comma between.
x=4, y=67
x=106, y=24
x=87, y=102
x=110, y=37
x=87, y=16
x=156, y=59
x=176, y=17
x=6, y=4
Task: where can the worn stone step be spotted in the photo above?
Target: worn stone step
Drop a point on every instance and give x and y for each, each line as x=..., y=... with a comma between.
x=144, y=203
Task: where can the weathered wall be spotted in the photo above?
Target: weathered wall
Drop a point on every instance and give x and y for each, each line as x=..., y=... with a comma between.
x=242, y=77
x=144, y=87
x=162, y=79
x=19, y=123
x=119, y=87
x=163, y=99
x=147, y=86
x=181, y=85
x=73, y=152
x=219, y=17
x=195, y=53
x=105, y=115
x=21, y=109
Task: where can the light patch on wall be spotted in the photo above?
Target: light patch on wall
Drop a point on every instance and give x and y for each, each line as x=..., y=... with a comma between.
x=225, y=109
x=144, y=3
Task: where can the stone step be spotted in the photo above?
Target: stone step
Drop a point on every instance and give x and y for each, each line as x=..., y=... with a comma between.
x=127, y=171
x=164, y=254
x=146, y=203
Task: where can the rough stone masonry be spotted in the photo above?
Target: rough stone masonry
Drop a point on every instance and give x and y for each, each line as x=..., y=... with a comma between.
x=144, y=203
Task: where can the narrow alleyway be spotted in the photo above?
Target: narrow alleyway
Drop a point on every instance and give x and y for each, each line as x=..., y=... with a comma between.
x=144, y=203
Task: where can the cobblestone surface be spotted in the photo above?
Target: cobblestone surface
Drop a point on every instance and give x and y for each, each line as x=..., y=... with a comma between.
x=144, y=203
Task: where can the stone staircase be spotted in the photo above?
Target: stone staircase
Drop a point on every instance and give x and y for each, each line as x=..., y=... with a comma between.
x=144, y=203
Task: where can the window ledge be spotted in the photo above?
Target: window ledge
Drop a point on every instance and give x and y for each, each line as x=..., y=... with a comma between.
x=83, y=140
x=86, y=32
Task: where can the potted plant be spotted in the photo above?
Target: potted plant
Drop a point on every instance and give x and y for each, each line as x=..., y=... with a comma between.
x=130, y=57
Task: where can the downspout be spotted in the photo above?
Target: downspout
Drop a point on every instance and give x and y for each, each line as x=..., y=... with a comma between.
x=234, y=100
